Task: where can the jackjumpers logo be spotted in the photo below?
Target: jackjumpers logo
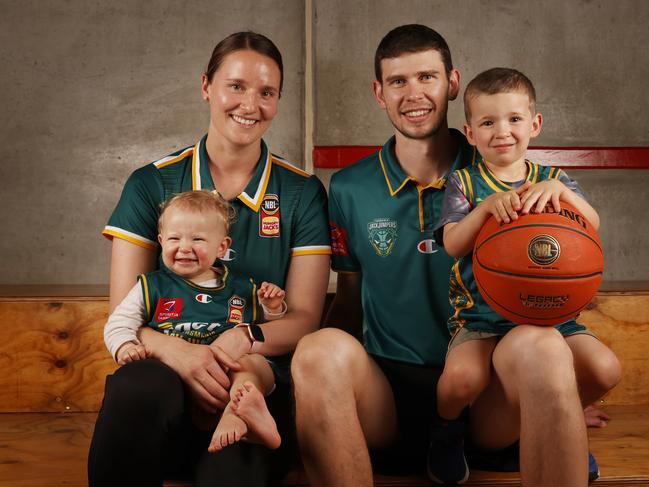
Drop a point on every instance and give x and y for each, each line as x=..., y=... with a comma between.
x=168, y=309
x=382, y=233
x=236, y=306
x=269, y=216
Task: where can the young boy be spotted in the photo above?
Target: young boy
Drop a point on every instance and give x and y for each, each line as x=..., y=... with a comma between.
x=192, y=299
x=501, y=119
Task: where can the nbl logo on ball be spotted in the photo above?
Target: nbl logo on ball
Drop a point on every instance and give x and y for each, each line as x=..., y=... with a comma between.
x=543, y=250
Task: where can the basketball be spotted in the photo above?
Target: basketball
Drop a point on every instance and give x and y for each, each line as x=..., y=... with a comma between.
x=541, y=269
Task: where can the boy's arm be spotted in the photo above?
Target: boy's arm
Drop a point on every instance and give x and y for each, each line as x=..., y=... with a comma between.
x=124, y=321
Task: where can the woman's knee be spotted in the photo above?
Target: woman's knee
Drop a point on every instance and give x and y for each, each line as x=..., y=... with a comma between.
x=143, y=386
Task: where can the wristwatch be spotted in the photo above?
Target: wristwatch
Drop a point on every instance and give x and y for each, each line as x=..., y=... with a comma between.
x=255, y=335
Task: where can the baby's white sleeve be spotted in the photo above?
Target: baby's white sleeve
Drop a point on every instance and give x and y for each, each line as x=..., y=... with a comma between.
x=124, y=321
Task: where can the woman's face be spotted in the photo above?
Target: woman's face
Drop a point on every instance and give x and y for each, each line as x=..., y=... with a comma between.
x=243, y=97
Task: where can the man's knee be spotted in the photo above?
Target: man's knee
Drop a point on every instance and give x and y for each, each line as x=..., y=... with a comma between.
x=326, y=354
x=537, y=355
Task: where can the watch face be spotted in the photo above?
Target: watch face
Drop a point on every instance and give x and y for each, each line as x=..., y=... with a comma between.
x=257, y=334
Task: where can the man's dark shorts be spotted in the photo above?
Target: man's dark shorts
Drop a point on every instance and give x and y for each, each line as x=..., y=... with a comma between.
x=414, y=388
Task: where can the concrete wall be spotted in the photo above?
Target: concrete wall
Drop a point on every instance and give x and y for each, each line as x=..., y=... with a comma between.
x=588, y=60
x=90, y=90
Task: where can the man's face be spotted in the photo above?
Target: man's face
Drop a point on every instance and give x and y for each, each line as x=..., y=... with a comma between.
x=415, y=91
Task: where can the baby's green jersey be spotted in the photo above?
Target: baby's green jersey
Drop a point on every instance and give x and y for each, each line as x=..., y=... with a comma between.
x=382, y=224
x=467, y=188
x=178, y=307
x=281, y=213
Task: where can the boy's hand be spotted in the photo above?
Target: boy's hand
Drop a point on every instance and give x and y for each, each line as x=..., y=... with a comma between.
x=130, y=352
x=551, y=190
x=505, y=206
x=271, y=297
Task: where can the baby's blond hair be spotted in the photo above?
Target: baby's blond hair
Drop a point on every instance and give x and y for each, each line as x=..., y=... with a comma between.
x=200, y=201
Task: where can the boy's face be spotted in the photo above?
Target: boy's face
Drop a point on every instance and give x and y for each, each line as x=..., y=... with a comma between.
x=415, y=92
x=501, y=127
x=191, y=241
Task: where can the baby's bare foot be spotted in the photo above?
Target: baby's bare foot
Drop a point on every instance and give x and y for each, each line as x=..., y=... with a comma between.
x=230, y=429
x=250, y=406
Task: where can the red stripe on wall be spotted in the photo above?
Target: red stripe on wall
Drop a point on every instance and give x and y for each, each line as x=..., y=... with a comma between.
x=337, y=156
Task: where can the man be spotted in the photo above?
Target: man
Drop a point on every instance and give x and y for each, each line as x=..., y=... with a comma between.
x=393, y=278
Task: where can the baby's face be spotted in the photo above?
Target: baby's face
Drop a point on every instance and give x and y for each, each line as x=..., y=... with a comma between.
x=191, y=241
x=501, y=126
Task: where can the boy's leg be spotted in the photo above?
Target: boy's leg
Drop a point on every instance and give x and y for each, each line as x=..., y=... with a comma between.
x=597, y=368
x=256, y=379
x=533, y=395
x=466, y=374
x=343, y=404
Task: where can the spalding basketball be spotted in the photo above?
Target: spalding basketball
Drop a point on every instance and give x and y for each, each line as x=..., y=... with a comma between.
x=541, y=269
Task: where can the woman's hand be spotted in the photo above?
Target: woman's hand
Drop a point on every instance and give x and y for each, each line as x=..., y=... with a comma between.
x=202, y=367
x=233, y=343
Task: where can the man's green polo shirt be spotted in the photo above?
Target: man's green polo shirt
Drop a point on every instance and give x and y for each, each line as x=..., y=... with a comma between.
x=282, y=212
x=382, y=225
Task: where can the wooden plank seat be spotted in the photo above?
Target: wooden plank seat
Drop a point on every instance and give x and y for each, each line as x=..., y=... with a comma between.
x=54, y=369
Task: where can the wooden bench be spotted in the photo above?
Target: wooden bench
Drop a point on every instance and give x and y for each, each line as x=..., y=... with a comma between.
x=54, y=364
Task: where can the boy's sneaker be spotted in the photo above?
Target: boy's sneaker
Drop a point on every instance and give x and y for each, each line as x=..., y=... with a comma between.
x=446, y=462
x=593, y=468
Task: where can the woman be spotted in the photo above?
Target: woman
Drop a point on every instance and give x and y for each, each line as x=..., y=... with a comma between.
x=147, y=429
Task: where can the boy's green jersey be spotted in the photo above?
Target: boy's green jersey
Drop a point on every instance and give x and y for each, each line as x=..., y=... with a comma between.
x=467, y=188
x=281, y=213
x=382, y=225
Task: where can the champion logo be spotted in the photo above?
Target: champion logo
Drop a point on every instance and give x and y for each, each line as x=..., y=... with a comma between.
x=230, y=255
x=204, y=298
x=428, y=246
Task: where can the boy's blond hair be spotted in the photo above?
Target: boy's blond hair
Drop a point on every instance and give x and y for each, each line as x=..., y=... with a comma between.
x=200, y=201
x=498, y=80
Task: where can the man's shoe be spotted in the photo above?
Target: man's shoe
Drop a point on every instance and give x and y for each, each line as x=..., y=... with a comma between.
x=446, y=462
x=593, y=468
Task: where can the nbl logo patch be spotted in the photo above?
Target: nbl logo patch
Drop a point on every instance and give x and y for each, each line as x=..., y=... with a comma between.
x=269, y=216
x=236, y=307
x=168, y=308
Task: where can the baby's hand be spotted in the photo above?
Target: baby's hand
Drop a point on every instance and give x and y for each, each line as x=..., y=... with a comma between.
x=504, y=206
x=130, y=352
x=550, y=190
x=271, y=297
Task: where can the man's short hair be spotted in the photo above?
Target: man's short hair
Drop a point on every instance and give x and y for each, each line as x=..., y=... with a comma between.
x=498, y=80
x=411, y=38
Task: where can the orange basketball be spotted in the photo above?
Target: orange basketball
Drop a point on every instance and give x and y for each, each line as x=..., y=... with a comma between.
x=541, y=269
